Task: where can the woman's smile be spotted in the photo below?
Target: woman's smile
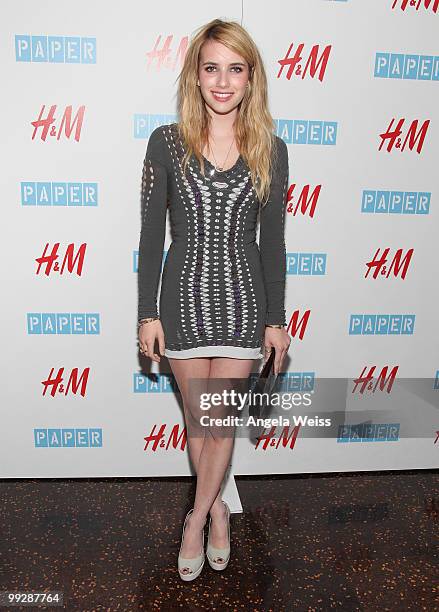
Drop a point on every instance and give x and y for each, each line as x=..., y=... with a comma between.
x=222, y=97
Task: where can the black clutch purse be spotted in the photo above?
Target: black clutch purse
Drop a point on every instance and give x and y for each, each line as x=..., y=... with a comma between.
x=258, y=407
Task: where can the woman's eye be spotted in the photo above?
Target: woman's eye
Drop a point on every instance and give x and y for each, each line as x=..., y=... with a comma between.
x=238, y=68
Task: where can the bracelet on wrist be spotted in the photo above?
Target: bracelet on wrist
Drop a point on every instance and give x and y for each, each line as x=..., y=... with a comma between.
x=276, y=326
x=147, y=320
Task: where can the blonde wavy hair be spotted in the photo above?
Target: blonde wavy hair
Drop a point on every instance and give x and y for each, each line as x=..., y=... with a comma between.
x=254, y=125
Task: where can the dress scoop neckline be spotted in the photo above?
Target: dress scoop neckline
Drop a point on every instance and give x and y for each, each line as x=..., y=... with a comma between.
x=237, y=164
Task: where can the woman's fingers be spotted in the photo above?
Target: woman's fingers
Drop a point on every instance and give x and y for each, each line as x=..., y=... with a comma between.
x=279, y=357
x=278, y=360
x=267, y=353
x=161, y=340
x=150, y=345
x=282, y=357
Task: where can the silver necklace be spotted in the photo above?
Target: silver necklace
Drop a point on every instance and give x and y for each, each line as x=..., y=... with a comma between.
x=217, y=168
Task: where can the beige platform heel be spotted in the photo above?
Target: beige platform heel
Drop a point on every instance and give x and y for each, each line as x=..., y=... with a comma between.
x=219, y=557
x=194, y=565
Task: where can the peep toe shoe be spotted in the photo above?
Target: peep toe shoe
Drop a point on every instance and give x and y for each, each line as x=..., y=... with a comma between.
x=194, y=565
x=218, y=558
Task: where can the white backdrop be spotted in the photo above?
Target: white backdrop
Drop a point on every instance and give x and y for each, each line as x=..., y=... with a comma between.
x=103, y=62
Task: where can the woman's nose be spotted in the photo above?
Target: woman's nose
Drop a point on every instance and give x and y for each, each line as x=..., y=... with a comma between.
x=223, y=78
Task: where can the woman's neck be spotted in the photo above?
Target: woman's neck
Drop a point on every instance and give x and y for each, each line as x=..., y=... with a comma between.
x=222, y=126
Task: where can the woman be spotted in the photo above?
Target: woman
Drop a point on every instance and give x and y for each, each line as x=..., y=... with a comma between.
x=222, y=297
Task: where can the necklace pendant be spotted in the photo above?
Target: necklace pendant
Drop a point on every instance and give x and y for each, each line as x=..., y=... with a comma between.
x=219, y=169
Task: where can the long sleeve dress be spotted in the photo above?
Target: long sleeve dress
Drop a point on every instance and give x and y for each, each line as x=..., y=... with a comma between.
x=219, y=288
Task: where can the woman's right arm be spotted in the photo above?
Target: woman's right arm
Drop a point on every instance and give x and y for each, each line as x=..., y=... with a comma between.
x=154, y=200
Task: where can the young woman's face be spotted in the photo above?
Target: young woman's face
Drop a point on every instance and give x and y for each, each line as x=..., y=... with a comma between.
x=222, y=71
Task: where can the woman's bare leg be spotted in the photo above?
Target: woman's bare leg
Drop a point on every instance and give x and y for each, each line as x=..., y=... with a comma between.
x=210, y=454
x=184, y=370
x=216, y=453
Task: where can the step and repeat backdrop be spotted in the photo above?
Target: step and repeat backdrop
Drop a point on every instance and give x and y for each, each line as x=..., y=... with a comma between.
x=353, y=88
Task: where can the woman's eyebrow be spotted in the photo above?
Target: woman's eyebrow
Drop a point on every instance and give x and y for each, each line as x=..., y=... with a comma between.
x=232, y=64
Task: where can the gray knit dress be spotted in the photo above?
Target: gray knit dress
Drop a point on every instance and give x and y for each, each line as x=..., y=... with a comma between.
x=218, y=288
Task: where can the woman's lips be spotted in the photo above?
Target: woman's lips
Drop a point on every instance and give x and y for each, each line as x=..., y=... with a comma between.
x=220, y=97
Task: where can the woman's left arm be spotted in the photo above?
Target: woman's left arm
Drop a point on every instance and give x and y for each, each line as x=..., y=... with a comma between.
x=273, y=256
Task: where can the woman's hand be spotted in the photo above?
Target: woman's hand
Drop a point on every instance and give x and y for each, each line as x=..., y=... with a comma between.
x=148, y=334
x=280, y=339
